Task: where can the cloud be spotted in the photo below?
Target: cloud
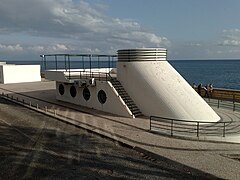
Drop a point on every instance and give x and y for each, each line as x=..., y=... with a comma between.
x=231, y=37
x=49, y=48
x=60, y=47
x=194, y=44
x=11, y=48
x=36, y=48
x=74, y=25
x=236, y=30
x=230, y=43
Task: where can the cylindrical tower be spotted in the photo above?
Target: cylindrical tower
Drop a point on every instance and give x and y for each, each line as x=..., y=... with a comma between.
x=157, y=88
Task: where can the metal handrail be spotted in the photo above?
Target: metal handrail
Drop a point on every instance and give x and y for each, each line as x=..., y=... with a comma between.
x=83, y=74
x=130, y=106
x=67, y=59
x=233, y=105
x=181, y=127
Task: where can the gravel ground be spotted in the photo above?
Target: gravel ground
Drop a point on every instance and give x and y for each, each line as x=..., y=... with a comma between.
x=35, y=146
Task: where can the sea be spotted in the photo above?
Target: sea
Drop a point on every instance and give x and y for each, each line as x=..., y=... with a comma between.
x=221, y=73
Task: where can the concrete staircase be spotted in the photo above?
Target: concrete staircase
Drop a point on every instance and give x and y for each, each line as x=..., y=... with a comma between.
x=126, y=98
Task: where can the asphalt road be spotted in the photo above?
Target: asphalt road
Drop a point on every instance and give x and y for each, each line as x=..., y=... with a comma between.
x=35, y=146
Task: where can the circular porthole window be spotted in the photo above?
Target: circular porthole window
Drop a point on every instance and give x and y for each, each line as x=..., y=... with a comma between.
x=61, y=89
x=86, y=94
x=73, y=91
x=102, y=97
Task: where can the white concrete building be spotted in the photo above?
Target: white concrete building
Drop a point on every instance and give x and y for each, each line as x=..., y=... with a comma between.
x=157, y=88
x=144, y=83
x=11, y=73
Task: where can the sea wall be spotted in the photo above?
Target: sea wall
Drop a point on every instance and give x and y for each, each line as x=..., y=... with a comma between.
x=223, y=94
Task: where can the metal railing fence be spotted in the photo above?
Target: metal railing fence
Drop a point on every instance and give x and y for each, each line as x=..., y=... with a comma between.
x=75, y=74
x=68, y=62
x=179, y=127
x=227, y=104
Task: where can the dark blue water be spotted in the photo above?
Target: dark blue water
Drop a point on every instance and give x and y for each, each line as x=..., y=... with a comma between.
x=222, y=73
x=72, y=64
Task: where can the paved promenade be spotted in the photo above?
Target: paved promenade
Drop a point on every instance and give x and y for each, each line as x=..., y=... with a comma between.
x=218, y=159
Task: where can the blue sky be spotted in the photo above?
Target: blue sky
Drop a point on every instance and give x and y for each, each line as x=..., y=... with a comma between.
x=189, y=29
x=180, y=19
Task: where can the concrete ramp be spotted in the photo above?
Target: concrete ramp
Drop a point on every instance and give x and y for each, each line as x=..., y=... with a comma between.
x=158, y=89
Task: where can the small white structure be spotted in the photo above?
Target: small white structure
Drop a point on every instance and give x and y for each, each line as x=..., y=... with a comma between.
x=144, y=83
x=11, y=73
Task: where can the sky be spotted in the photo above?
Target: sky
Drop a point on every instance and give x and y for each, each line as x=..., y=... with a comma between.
x=188, y=29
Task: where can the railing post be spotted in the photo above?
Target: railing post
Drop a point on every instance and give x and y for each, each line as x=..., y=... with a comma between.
x=218, y=104
x=224, y=129
x=56, y=64
x=233, y=106
x=98, y=62
x=90, y=58
x=65, y=62
x=172, y=127
x=69, y=67
x=45, y=62
x=109, y=63
x=197, y=129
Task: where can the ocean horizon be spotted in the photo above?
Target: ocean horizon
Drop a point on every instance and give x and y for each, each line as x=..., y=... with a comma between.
x=221, y=73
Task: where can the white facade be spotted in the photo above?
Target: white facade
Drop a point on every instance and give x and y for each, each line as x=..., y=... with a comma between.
x=114, y=103
x=10, y=73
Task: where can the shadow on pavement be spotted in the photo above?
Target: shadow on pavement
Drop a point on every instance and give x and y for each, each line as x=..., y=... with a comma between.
x=37, y=146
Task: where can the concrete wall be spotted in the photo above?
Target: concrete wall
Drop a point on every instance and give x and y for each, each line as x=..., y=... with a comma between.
x=20, y=73
x=158, y=89
x=113, y=104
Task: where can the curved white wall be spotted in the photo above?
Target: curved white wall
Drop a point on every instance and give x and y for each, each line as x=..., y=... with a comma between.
x=158, y=89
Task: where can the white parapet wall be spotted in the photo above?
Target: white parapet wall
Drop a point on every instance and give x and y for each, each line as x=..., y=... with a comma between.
x=158, y=89
x=62, y=75
x=10, y=73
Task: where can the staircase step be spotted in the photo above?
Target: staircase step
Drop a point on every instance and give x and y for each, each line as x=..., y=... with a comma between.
x=126, y=98
x=134, y=108
x=121, y=91
x=129, y=102
x=138, y=114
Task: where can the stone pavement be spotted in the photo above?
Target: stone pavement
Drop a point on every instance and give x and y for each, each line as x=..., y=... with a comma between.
x=216, y=158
